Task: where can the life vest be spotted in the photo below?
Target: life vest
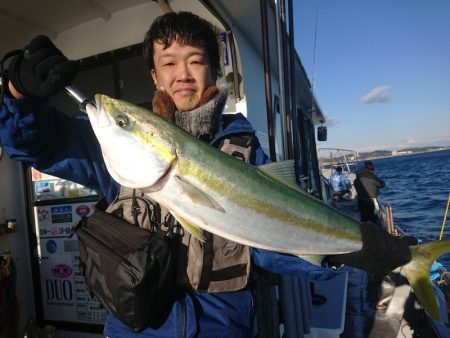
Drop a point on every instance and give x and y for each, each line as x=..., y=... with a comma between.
x=215, y=265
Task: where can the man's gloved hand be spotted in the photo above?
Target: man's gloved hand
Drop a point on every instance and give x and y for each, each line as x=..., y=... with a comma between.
x=381, y=253
x=42, y=70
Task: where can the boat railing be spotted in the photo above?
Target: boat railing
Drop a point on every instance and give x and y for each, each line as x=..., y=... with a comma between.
x=386, y=217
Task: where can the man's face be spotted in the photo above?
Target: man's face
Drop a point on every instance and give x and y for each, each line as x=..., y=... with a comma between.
x=184, y=72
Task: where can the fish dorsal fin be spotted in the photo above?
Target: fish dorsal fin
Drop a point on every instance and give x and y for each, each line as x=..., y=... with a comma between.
x=196, y=196
x=194, y=230
x=282, y=171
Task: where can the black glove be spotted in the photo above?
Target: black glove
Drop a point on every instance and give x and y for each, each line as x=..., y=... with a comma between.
x=42, y=70
x=380, y=254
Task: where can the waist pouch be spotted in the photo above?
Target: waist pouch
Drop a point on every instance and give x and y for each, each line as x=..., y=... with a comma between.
x=129, y=269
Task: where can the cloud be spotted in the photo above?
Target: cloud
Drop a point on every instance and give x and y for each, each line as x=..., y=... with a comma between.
x=408, y=141
x=438, y=140
x=332, y=120
x=441, y=138
x=377, y=95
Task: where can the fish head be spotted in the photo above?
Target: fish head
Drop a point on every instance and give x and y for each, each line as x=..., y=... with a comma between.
x=136, y=151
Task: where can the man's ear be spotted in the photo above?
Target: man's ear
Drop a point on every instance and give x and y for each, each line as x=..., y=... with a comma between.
x=154, y=77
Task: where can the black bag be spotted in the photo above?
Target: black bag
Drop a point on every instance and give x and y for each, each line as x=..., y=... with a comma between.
x=129, y=269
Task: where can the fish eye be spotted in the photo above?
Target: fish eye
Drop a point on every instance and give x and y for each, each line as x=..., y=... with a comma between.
x=122, y=121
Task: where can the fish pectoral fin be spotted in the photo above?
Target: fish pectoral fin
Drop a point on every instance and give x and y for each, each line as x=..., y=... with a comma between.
x=313, y=259
x=194, y=230
x=282, y=171
x=196, y=196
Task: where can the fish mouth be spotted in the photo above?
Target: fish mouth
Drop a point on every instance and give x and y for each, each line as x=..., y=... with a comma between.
x=97, y=114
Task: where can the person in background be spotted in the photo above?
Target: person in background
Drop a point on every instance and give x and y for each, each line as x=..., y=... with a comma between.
x=368, y=186
x=340, y=184
x=183, y=58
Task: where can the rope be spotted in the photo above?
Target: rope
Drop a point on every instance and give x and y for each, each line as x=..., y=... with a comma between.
x=445, y=218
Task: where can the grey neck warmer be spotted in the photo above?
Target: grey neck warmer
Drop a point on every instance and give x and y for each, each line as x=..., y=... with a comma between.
x=204, y=120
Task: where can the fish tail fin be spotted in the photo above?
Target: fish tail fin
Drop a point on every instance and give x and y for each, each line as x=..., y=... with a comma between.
x=417, y=271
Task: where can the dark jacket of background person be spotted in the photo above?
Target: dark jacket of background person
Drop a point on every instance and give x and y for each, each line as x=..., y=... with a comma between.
x=367, y=186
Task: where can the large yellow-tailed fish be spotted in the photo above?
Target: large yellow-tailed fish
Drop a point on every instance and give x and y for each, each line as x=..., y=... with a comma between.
x=205, y=188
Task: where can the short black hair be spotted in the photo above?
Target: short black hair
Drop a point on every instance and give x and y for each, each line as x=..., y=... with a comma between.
x=369, y=165
x=187, y=29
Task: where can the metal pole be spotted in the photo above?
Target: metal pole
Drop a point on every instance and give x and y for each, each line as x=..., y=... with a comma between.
x=281, y=80
x=267, y=79
x=296, y=136
x=79, y=97
x=287, y=79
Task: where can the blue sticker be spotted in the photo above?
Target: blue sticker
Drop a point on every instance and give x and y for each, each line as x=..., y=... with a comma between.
x=61, y=209
x=42, y=187
x=51, y=246
x=61, y=214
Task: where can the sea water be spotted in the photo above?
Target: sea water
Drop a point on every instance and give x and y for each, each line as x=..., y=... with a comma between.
x=417, y=188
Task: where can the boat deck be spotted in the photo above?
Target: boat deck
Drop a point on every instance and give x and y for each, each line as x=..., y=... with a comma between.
x=347, y=207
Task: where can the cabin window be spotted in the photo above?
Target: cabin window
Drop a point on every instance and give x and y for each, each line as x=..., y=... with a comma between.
x=120, y=73
x=135, y=82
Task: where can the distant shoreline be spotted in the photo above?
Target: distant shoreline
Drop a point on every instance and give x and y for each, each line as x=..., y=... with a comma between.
x=401, y=155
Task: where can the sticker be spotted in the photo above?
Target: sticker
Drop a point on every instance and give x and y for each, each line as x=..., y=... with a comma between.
x=43, y=215
x=82, y=210
x=43, y=187
x=62, y=214
x=61, y=209
x=51, y=246
x=61, y=271
x=58, y=292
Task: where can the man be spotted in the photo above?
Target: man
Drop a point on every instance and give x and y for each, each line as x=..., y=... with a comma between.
x=368, y=186
x=340, y=184
x=183, y=56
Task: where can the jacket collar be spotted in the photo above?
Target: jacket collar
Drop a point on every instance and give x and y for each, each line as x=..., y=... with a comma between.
x=232, y=124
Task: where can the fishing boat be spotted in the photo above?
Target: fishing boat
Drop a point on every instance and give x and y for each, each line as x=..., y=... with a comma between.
x=329, y=159
x=267, y=83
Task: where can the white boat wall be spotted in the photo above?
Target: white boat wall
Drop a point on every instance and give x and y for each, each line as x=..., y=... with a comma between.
x=267, y=84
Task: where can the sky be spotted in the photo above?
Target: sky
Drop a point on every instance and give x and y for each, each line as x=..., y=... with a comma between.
x=380, y=70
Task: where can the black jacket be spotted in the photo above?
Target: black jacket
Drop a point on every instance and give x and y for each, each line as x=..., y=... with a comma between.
x=367, y=184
